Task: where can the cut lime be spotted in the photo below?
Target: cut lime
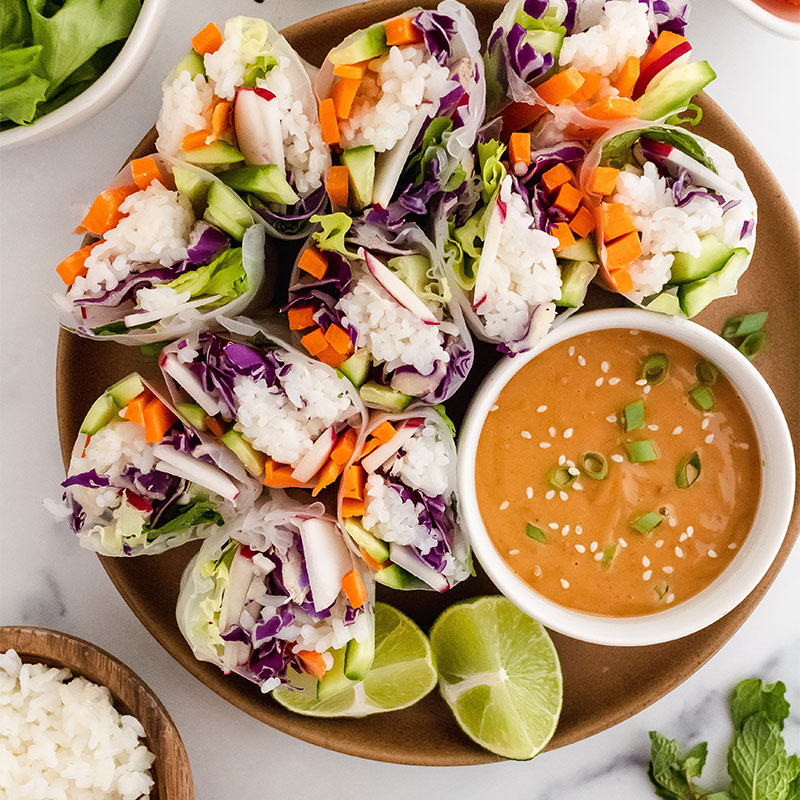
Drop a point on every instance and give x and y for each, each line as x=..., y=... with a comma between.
x=499, y=673
x=402, y=673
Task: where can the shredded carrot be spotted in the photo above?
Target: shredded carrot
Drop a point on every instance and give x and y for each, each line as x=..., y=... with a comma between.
x=354, y=588
x=372, y=563
x=104, y=213
x=327, y=475
x=312, y=662
x=627, y=77
x=209, y=40
x=401, y=30
x=353, y=508
x=313, y=262
x=329, y=125
x=221, y=118
x=339, y=339
x=158, y=419
x=519, y=148
x=337, y=185
x=314, y=342
x=561, y=86
x=583, y=223
x=301, y=317
x=564, y=235
x=518, y=116
x=568, y=198
x=667, y=40
x=214, y=425
x=354, y=482
x=613, y=108
x=74, y=265
x=343, y=93
x=135, y=410
x=617, y=221
x=622, y=251
x=145, y=171
x=603, y=180
x=556, y=176
x=621, y=280
x=591, y=83
x=196, y=139
x=279, y=476
x=345, y=447
x=351, y=70
x=384, y=432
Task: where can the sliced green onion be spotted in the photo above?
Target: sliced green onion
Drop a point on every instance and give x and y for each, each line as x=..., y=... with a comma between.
x=743, y=325
x=560, y=478
x=752, y=344
x=608, y=556
x=706, y=372
x=661, y=589
x=641, y=451
x=631, y=417
x=654, y=368
x=701, y=397
x=594, y=466
x=688, y=471
x=647, y=523
x=535, y=533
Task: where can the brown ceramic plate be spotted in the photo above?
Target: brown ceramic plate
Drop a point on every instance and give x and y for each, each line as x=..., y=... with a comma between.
x=602, y=685
x=170, y=770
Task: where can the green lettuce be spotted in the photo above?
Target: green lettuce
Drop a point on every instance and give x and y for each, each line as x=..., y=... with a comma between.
x=211, y=604
x=199, y=511
x=23, y=84
x=224, y=276
x=334, y=229
x=416, y=271
x=617, y=151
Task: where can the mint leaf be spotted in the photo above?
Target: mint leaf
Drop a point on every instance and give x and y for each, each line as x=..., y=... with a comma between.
x=672, y=775
x=617, y=150
x=752, y=695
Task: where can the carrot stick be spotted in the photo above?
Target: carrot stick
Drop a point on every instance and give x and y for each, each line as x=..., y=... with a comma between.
x=617, y=221
x=374, y=565
x=301, y=317
x=582, y=224
x=158, y=419
x=591, y=83
x=331, y=357
x=564, y=235
x=351, y=70
x=353, y=508
x=343, y=93
x=339, y=339
x=145, y=171
x=104, y=213
x=369, y=446
x=74, y=265
x=279, y=476
x=561, y=86
x=221, y=118
x=613, y=108
x=666, y=41
x=354, y=588
x=196, y=139
x=313, y=262
x=383, y=432
x=338, y=185
x=568, y=198
x=556, y=176
x=603, y=180
x=345, y=447
x=314, y=342
x=354, y=482
x=135, y=410
x=401, y=30
x=518, y=116
x=519, y=148
x=327, y=475
x=627, y=77
x=312, y=662
x=622, y=251
x=328, y=123
x=621, y=280
x=214, y=425
x=208, y=40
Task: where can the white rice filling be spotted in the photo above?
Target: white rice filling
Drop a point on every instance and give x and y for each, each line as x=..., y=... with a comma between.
x=154, y=230
x=185, y=107
x=390, y=95
x=393, y=335
x=285, y=425
x=525, y=273
x=62, y=737
x=425, y=461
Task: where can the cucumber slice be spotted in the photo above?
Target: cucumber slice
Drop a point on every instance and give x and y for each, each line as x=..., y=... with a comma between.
x=397, y=578
x=358, y=658
x=376, y=548
x=122, y=392
x=192, y=414
x=384, y=397
x=363, y=45
x=266, y=181
x=192, y=63
x=334, y=680
x=216, y=154
x=545, y=41
x=674, y=88
x=582, y=250
x=665, y=303
x=713, y=256
x=227, y=211
x=103, y=410
x=192, y=186
x=575, y=279
x=252, y=459
x=361, y=163
x=695, y=296
x=356, y=368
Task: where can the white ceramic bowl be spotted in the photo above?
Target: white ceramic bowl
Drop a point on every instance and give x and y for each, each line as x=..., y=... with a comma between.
x=753, y=558
x=107, y=88
x=786, y=23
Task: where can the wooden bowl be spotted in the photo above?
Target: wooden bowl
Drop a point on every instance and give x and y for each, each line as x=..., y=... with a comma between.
x=602, y=685
x=171, y=771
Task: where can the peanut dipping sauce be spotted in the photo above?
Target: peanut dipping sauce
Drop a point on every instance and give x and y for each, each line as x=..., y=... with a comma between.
x=566, y=402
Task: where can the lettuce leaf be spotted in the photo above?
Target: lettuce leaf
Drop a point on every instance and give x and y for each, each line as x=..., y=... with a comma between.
x=15, y=23
x=492, y=169
x=23, y=84
x=224, y=276
x=334, y=229
x=198, y=512
x=617, y=150
x=416, y=271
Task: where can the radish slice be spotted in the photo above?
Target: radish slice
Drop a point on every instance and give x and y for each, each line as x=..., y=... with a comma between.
x=383, y=453
x=143, y=317
x=488, y=260
x=239, y=579
x=176, y=462
x=397, y=289
x=658, y=66
x=404, y=557
x=190, y=383
x=258, y=128
x=313, y=461
x=327, y=559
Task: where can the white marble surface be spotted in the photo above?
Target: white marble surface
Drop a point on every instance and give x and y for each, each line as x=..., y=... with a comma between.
x=46, y=579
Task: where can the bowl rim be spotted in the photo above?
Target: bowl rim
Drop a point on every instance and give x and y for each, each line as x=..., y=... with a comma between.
x=750, y=563
x=777, y=24
x=107, y=88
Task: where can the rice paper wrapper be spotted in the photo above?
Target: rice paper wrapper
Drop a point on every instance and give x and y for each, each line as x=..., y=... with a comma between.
x=449, y=561
x=614, y=149
x=385, y=242
x=269, y=586
x=110, y=307
x=261, y=42
x=110, y=539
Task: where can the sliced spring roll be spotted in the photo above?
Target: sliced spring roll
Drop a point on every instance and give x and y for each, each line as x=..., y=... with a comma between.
x=278, y=593
x=397, y=501
x=375, y=304
x=401, y=102
x=173, y=249
x=676, y=225
x=579, y=68
x=241, y=104
x=292, y=421
x=141, y=480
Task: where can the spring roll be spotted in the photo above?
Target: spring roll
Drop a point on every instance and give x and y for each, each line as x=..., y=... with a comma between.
x=173, y=249
x=401, y=102
x=397, y=501
x=241, y=104
x=143, y=480
x=677, y=221
x=374, y=303
x=292, y=421
x=278, y=593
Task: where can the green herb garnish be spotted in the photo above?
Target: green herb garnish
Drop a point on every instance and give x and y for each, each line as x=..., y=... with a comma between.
x=706, y=372
x=701, y=397
x=688, y=471
x=736, y=327
x=561, y=478
x=752, y=344
x=631, y=417
x=647, y=523
x=654, y=368
x=594, y=466
x=608, y=556
x=537, y=534
x=641, y=451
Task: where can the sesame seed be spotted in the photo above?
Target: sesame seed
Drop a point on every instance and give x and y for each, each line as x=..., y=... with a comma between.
x=652, y=427
x=562, y=459
x=646, y=389
x=504, y=505
x=690, y=530
x=551, y=431
x=677, y=430
x=641, y=382
x=579, y=530
x=598, y=382
x=645, y=561
x=622, y=542
x=683, y=537
x=553, y=526
x=593, y=546
x=670, y=597
x=633, y=332
x=525, y=434
x=529, y=492
x=611, y=418
x=744, y=446
x=678, y=552
x=598, y=557
x=580, y=548
x=704, y=423
x=571, y=350
x=667, y=570
x=712, y=553
x=544, y=445
x=550, y=494
x=513, y=552
x=537, y=570
x=732, y=546
x=574, y=471
x=570, y=463
x=494, y=407
x=617, y=457
x=582, y=361
x=577, y=486
x=541, y=409
x=672, y=522
x=565, y=530
x=563, y=495
x=659, y=544
x=709, y=438
x=565, y=583
x=647, y=574
x=613, y=381
x=568, y=433
x=605, y=366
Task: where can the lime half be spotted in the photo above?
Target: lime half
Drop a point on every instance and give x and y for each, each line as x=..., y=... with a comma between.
x=499, y=673
x=402, y=673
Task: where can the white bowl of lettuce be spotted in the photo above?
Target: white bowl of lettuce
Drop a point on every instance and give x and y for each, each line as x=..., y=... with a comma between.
x=62, y=61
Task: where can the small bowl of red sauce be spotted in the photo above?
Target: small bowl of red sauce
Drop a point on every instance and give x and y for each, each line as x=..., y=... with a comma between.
x=628, y=481
x=779, y=16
